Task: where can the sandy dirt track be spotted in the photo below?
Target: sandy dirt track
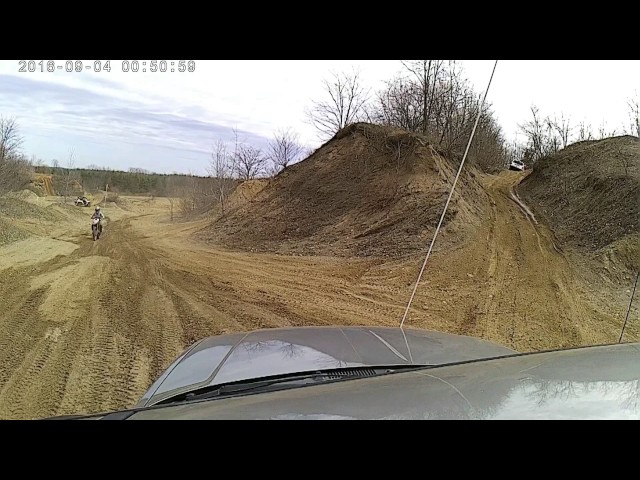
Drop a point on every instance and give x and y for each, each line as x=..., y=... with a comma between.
x=87, y=326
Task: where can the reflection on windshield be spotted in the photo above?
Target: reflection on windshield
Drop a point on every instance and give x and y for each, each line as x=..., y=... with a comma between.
x=195, y=368
x=275, y=357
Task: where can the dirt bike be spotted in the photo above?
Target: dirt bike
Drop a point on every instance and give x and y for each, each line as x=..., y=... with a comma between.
x=96, y=228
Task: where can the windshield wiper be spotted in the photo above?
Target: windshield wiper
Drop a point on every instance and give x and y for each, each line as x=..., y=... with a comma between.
x=287, y=381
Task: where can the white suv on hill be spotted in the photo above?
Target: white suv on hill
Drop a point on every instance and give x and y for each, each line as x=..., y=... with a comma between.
x=517, y=165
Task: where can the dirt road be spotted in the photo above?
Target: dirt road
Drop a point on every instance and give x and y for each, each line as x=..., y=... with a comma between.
x=87, y=326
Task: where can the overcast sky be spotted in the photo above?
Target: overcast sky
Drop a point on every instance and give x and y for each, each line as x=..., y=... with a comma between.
x=167, y=122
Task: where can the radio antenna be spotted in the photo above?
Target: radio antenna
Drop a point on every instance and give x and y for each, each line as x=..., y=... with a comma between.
x=629, y=307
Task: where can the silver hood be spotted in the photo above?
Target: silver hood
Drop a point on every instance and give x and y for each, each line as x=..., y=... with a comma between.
x=584, y=383
x=276, y=351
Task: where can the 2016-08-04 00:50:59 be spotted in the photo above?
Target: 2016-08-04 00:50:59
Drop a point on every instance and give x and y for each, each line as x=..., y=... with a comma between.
x=105, y=65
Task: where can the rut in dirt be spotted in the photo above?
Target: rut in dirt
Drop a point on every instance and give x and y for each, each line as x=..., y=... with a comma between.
x=89, y=331
x=529, y=300
x=96, y=327
x=101, y=327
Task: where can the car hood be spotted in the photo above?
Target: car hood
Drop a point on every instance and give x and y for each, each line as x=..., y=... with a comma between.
x=228, y=358
x=584, y=383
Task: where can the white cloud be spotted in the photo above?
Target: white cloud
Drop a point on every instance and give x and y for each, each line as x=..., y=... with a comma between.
x=262, y=96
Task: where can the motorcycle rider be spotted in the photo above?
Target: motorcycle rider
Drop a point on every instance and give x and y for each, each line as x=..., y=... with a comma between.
x=98, y=214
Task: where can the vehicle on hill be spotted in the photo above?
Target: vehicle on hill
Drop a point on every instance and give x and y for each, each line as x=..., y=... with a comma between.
x=82, y=202
x=517, y=165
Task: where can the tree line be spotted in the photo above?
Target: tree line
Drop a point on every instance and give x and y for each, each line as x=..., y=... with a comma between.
x=89, y=180
x=545, y=135
x=15, y=167
x=434, y=98
x=430, y=97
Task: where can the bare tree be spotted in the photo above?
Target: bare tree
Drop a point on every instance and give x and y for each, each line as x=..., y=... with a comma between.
x=634, y=115
x=55, y=163
x=10, y=139
x=534, y=131
x=15, y=168
x=250, y=162
x=69, y=176
x=628, y=162
x=138, y=170
x=549, y=135
x=552, y=139
x=458, y=113
x=433, y=97
x=345, y=105
x=284, y=149
x=427, y=73
x=188, y=194
x=172, y=202
x=399, y=105
x=602, y=131
x=584, y=132
x=488, y=150
x=168, y=189
x=542, y=135
x=563, y=129
x=421, y=98
x=15, y=173
x=222, y=167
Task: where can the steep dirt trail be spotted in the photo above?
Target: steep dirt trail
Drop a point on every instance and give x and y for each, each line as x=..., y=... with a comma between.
x=530, y=297
x=87, y=326
x=510, y=284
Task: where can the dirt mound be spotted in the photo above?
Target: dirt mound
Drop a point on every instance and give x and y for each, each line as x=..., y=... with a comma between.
x=246, y=192
x=9, y=232
x=621, y=256
x=370, y=190
x=589, y=193
x=26, y=195
x=18, y=208
x=23, y=214
x=241, y=195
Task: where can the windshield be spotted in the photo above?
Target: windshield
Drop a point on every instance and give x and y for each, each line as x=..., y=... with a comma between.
x=497, y=202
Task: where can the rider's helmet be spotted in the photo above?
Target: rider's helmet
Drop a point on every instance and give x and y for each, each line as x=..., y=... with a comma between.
x=97, y=209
